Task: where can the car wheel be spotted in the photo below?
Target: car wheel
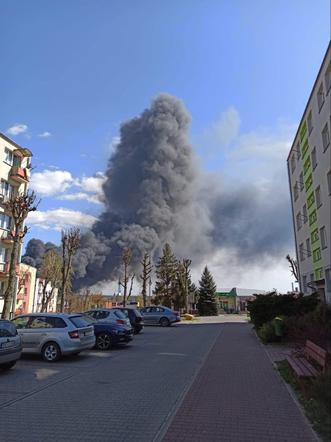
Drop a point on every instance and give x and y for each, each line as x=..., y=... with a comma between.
x=103, y=341
x=51, y=352
x=8, y=365
x=164, y=322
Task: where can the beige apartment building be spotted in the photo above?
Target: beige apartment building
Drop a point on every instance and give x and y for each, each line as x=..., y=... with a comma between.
x=309, y=171
x=15, y=164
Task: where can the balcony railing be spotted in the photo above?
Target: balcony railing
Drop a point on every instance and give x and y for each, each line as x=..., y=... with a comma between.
x=19, y=174
x=6, y=236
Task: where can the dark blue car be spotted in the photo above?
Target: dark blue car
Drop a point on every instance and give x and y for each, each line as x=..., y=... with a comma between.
x=108, y=334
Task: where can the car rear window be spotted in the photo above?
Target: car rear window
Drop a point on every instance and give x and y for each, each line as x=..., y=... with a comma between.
x=119, y=314
x=80, y=321
x=137, y=313
x=7, y=329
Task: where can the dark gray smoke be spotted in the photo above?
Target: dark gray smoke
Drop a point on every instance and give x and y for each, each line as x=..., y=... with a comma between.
x=155, y=193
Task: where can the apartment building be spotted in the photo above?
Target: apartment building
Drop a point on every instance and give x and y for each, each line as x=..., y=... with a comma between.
x=51, y=294
x=26, y=289
x=15, y=164
x=309, y=171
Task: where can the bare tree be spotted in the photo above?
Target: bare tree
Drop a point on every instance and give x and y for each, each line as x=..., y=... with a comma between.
x=126, y=259
x=19, y=205
x=51, y=273
x=145, y=276
x=70, y=241
x=293, y=267
x=184, y=280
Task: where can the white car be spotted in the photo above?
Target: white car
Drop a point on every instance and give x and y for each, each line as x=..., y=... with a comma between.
x=10, y=344
x=54, y=334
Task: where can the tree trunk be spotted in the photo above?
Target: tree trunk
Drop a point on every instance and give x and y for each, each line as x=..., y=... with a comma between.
x=11, y=287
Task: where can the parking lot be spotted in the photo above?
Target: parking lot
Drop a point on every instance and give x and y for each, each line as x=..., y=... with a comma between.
x=122, y=395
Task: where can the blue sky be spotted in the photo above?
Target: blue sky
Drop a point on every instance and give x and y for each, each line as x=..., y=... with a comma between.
x=72, y=71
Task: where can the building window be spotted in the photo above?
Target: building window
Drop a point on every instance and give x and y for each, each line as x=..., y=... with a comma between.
x=305, y=148
x=320, y=97
x=3, y=255
x=325, y=137
x=318, y=196
x=304, y=214
x=314, y=236
x=327, y=78
x=311, y=200
x=299, y=221
x=308, y=248
x=296, y=191
x=314, y=158
x=293, y=163
x=304, y=283
x=318, y=274
x=301, y=183
x=9, y=157
x=5, y=221
x=312, y=279
x=310, y=122
x=329, y=181
x=301, y=253
x=317, y=255
x=298, y=151
x=6, y=189
x=312, y=217
x=323, y=237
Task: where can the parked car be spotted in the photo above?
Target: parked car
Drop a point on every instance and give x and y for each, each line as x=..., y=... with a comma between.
x=109, y=315
x=135, y=317
x=109, y=334
x=160, y=315
x=10, y=344
x=54, y=334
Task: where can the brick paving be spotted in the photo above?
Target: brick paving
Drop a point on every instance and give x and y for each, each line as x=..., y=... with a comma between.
x=238, y=396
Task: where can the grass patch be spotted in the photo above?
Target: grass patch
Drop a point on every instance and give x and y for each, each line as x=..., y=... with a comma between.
x=318, y=413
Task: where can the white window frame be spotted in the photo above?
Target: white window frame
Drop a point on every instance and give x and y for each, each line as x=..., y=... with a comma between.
x=318, y=196
x=323, y=238
x=314, y=158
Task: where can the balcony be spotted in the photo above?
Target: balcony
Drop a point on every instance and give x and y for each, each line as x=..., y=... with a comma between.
x=4, y=269
x=19, y=174
x=6, y=237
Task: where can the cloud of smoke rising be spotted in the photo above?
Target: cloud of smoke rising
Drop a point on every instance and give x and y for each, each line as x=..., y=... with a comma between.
x=155, y=193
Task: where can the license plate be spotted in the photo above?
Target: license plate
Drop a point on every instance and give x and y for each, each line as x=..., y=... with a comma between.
x=8, y=344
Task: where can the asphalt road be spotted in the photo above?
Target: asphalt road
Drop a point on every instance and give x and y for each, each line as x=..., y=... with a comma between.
x=128, y=394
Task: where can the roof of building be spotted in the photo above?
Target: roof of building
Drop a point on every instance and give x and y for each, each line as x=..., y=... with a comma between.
x=23, y=150
x=236, y=291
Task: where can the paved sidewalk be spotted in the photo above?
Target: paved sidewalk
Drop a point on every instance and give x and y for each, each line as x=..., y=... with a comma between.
x=238, y=396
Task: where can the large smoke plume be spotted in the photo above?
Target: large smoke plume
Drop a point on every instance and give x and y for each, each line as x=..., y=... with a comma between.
x=155, y=193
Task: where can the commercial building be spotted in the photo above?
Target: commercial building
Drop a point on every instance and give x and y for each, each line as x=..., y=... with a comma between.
x=309, y=171
x=235, y=300
x=14, y=178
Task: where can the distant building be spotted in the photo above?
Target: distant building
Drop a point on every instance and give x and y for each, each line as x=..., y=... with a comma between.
x=25, y=289
x=235, y=299
x=51, y=294
x=14, y=177
x=309, y=171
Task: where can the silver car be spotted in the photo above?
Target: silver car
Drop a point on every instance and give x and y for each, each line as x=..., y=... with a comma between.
x=54, y=334
x=10, y=344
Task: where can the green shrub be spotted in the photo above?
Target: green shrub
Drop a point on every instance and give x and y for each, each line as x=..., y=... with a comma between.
x=267, y=333
x=266, y=307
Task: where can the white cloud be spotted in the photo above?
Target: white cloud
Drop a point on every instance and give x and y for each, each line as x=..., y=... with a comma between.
x=57, y=219
x=45, y=134
x=81, y=196
x=51, y=182
x=92, y=184
x=17, y=129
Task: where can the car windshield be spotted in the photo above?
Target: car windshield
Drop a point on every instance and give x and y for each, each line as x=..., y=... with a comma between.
x=7, y=329
x=80, y=321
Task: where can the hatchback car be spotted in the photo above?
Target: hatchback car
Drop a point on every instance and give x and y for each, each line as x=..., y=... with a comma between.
x=109, y=315
x=109, y=334
x=54, y=334
x=135, y=318
x=10, y=344
x=159, y=315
